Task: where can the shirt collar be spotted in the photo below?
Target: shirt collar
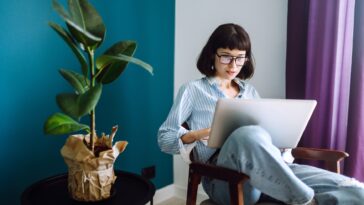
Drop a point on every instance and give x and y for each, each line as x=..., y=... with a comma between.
x=214, y=81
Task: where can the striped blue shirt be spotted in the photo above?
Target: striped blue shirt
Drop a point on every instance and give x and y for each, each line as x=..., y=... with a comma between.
x=195, y=105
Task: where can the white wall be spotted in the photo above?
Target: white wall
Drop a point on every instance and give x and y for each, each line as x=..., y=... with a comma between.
x=266, y=23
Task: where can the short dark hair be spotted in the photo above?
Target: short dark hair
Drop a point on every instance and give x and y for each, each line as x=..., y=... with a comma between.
x=231, y=36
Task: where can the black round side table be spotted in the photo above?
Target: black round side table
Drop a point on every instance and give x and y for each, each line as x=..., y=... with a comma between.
x=131, y=189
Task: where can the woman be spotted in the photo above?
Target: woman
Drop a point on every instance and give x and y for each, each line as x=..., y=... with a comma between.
x=226, y=61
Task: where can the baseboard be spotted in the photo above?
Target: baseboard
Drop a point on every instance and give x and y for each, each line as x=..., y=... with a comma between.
x=164, y=193
x=181, y=192
x=173, y=190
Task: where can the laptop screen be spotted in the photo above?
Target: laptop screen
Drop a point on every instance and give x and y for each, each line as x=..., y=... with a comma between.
x=284, y=119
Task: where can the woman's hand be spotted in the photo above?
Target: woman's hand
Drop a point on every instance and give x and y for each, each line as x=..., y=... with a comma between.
x=195, y=135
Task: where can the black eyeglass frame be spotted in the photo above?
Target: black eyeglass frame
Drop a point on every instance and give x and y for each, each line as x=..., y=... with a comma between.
x=232, y=58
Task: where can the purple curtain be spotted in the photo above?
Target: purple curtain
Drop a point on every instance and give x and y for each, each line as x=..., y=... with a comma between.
x=319, y=66
x=355, y=141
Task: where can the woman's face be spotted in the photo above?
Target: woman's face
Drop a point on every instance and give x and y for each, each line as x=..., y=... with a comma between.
x=228, y=63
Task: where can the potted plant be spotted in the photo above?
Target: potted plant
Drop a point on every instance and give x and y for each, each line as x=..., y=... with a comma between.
x=89, y=158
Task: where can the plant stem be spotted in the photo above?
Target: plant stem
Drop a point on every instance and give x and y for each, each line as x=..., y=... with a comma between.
x=92, y=113
x=93, y=130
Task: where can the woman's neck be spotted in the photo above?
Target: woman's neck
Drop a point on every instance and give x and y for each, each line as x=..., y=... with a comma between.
x=228, y=87
x=224, y=83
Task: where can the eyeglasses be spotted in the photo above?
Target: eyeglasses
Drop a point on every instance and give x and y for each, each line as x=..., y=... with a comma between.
x=226, y=59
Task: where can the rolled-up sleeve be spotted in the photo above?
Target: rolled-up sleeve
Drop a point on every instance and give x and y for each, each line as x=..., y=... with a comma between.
x=171, y=131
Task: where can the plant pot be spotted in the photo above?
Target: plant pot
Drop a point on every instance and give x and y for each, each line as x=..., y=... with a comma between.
x=90, y=177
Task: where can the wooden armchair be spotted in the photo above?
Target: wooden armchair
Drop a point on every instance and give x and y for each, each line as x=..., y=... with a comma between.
x=236, y=179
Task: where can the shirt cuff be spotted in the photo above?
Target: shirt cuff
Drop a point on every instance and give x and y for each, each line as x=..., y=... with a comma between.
x=185, y=149
x=287, y=156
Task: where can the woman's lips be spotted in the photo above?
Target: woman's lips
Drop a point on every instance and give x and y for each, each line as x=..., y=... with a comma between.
x=231, y=72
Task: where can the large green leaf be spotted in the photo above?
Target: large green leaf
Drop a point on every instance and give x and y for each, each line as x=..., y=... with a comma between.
x=86, y=17
x=68, y=102
x=85, y=38
x=110, y=72
x=68, y=39
x=59, y=124
x=107, y=59
x=78, y=105
x=79, y=82
x=89, y=100
x=90, y=36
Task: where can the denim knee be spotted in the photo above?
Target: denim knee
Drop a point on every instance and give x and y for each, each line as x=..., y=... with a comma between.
x=249, y=136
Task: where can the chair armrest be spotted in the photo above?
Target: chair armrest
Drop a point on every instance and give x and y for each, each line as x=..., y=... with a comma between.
x=217, y=172
x=318, y=154
x=330, y=157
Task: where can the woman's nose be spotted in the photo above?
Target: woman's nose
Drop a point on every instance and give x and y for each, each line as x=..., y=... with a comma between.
x=232, y=63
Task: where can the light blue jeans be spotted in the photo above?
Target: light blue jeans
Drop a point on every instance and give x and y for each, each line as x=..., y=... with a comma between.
x=249, y=149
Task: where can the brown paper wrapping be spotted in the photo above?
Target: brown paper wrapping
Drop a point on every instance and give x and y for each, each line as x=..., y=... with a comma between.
x=90, y=178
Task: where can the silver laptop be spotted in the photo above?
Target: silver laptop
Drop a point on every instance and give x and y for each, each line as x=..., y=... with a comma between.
x=284, y=119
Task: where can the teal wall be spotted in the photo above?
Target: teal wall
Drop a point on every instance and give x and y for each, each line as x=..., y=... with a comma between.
x=31, y=54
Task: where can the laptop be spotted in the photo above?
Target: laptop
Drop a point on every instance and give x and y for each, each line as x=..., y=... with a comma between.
x=284, y=119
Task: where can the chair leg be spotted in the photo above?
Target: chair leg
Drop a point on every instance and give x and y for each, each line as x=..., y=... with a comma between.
x=194, y=180
x=333, y=166
x=236, y=193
